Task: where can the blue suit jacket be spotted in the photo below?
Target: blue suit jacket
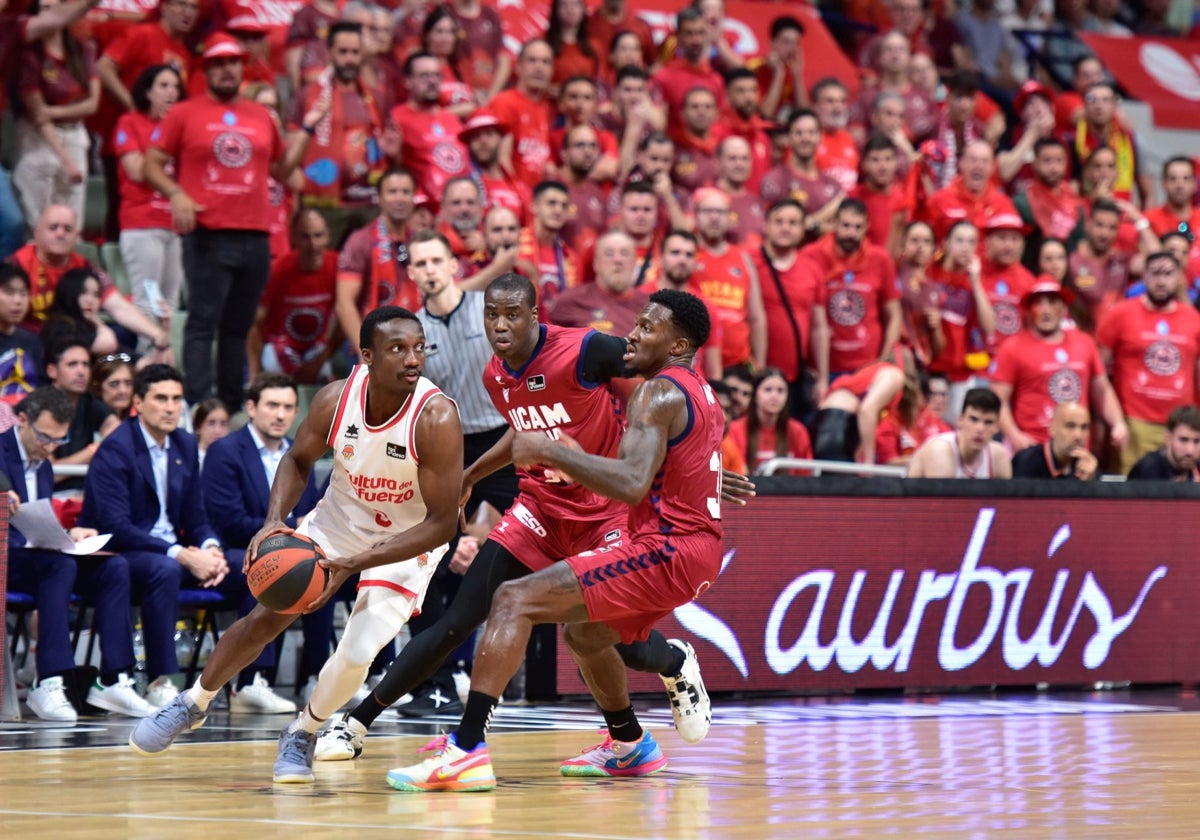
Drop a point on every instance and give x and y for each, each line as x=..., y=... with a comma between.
x=10, y=463
x=120, y=497
x=236, y=490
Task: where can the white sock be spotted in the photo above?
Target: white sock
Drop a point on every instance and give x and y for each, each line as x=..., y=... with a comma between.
x=307, y=721
x=201, y=696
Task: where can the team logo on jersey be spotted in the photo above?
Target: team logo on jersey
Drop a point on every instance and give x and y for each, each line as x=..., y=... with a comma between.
x=1008, y=318
x=351, y=432
x=504, y=393
x=1162, y=358
x=1064, y=386
x=612, y=535
x=448, y=157
x=348, y=452
x=395, y=450
x=232, y=150
x=536, y=383
x=382, y=519
x=847, y=308
x=422, y=560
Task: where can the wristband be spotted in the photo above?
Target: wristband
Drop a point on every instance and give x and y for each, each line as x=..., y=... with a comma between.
x=1141, y=224
x=310, y=131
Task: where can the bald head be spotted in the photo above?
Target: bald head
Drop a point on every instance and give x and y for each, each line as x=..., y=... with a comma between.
x=734, y=162
x=1069, y=429
x=56, y=232
x=976, y=164
x=501, y=228
x=616, y=255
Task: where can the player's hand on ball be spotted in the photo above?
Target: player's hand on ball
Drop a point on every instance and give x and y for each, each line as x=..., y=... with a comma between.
x=338, y=574
x=270, y=527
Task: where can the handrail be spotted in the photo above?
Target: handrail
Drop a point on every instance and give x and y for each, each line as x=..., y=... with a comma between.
x=818, y=467
x=71, y=470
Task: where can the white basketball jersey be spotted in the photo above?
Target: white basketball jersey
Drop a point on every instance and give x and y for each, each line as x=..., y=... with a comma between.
x=373, y=492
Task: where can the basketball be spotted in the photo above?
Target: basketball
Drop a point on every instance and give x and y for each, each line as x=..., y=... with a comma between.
x=286, y=577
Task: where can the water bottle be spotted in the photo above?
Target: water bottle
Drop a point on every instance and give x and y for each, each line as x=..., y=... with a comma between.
x=139, y=659
x=185, y=644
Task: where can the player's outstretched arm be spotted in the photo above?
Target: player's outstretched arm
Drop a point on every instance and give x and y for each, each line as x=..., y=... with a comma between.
x=657, y=411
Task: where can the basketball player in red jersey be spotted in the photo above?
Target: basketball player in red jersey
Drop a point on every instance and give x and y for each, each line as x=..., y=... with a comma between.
x=393, y=496
x=668, y=470
x=554, y=381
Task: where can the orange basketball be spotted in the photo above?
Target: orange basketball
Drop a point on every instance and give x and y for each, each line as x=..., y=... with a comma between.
x=286, y=576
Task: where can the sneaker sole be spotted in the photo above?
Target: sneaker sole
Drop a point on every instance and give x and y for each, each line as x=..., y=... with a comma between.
x=591, y=771
x=293, y=779
x=338, y=756
x=408, y=785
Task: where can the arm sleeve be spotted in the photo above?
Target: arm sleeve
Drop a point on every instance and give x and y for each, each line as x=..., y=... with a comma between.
x=601, y=358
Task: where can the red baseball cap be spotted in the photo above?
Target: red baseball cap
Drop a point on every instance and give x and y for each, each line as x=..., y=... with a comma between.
x=1032, y=88
x=1004, y=221
x=1046, y=285
x=479, y=121
x=222, y=45
x=248, y=24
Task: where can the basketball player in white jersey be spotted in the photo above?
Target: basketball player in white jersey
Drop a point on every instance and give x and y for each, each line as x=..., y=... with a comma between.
x=969, y=451
x=398, y=465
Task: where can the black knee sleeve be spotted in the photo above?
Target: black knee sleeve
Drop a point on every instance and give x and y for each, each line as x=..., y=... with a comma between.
x=835, y=435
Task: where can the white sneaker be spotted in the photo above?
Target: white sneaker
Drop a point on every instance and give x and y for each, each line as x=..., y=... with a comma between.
x=258, y=699
x=121, y=698
x=342, y=741
x=161, y=692
x=49, y=701
x=690, y=706
x=462, y=685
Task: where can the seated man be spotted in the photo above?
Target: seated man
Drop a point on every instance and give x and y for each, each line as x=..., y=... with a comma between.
x=1065, y=454
x=970, y=451
x=20, y=350
x=237, y=476
x=1176, y=461
x=143, y=487
x=69, y=369
x=43, y=419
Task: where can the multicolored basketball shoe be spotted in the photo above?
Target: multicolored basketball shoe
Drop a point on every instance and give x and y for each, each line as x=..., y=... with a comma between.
x=617, y=758
x=449, y=768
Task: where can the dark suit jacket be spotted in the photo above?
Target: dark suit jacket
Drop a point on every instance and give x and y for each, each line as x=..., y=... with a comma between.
x=236, y=490
x=120, y=497
x=14, y=470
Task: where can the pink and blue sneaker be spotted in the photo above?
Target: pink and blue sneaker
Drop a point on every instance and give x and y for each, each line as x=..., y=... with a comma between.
x=618, y=758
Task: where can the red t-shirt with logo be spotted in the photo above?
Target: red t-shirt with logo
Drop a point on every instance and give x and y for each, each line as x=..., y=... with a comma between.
x=142, y=207
x=223, y=152
x=805, y=289
x=955, y=204
x=431, y=148
x=1004, y=287
x=882, y=208
x=299, y=308
x=723, y=280
x=1043, y=374
x=135, y=49
x=528, y=121
x=1154, y=357
x=837, y=157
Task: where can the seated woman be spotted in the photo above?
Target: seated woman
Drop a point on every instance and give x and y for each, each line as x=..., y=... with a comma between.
x=112, y=383
x=767, y=430
x=849, y=415
x=210, y=422
x=75, y=314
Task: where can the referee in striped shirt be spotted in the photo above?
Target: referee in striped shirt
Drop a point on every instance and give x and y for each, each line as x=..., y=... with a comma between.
x=456, y=352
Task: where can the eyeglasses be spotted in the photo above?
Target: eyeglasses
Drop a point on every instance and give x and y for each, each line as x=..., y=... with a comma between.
x=46, y=440
x=115, y=357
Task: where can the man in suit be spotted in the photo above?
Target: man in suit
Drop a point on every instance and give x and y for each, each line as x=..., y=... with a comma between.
x=43, y=421
x=143, y=487
x=237, y=476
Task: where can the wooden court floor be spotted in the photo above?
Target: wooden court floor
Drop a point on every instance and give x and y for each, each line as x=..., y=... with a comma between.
x=1033, y=768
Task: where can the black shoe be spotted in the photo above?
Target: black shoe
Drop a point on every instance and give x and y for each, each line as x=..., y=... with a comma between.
x=435, y=699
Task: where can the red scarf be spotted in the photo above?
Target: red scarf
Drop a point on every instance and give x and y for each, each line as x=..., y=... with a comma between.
x=390, y=285
x=1056, y=211
x=332, y=146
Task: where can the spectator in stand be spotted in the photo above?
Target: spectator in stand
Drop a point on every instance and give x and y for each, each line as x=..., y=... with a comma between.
x=613, y=17
x=781, y=71
x=578, y=100
x=860, y=283
x=57, y=87
x=623, y=50
x=1100, y=270
x=307, y=33
x=220, y=202
x=678, y=256
x=238, y=472
x=972, y=196
x=1065, y=453
x=575, y=54
x=916, y=106
x=1100, y=126
x=1151, y=347
x=373, y=264
x=741, y=118
x=210, y=419
x=740, y=383
x=52, y=254
x=544, y=257
x=720, y=46
x=1048, y=204
x=69, y=368
x=1034, y=105
x=631, y=115
x=920, y=298
x=995, y=53
x=969, y=452
x=767, y=430
x=429, y=133
x=725, y=279
x=1180, y=247
x=1045, y=365
x=483, y=135
x=20, y=350
x=801, y=178
x=733, y=172
x=442, y=38
x=653, y=163
x=380, y=69
x=1054, y=261
x=967, y=320
x=342, y=158
x=887, y=199
x=837, y=153
x=844, y=428
x=1179, y=213
x=732, y=458
x=283, y=197
x=1176, y=461
x=251, y=34
x=150, y=246
x=1103, y=19
x=1086, y=70
x=75, y=314
x=1098, y=182
x=112, y=383
x=611, y=304
x=487, y=66
x=525, y=112
x=897, y=437
x=696, y=142
x=689, y=68
x=958, y=129
x=502, y=234
x=43, y=420
x=294, y=329
x=794, y=300
x=462, y=225
x=588, y=199
x=888, y=117
x=1005, y=279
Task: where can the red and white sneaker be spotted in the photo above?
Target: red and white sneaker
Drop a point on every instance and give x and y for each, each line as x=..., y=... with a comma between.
x=449, y=768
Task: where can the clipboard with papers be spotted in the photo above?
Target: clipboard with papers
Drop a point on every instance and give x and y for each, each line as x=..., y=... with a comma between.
x=40, y=527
